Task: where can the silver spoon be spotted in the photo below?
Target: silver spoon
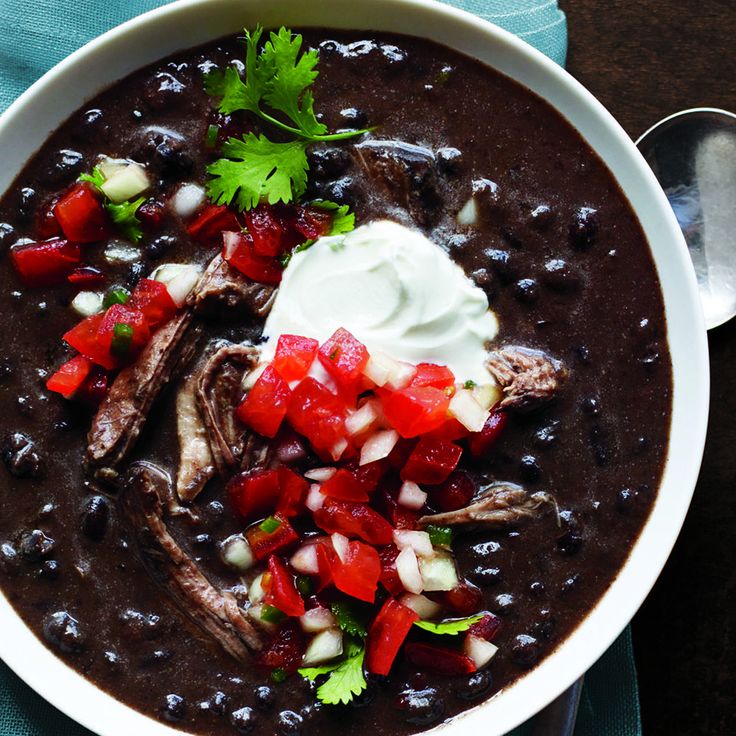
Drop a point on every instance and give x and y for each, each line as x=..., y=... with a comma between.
x=693, y=155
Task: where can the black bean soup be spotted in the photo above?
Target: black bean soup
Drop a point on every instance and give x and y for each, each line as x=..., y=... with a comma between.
x=565, y=265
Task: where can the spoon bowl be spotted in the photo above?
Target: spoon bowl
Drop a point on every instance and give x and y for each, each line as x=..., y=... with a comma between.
x=693, y=155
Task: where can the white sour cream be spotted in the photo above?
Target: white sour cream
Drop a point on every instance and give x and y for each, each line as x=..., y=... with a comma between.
x=395, y=290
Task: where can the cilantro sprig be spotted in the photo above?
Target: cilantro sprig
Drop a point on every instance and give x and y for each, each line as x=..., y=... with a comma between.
x=452, y=627
x=276, y=88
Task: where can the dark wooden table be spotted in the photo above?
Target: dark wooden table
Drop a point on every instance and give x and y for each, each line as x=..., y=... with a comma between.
x=644, y=60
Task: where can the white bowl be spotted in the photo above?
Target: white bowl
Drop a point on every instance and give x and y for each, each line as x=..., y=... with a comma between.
x=26, y=124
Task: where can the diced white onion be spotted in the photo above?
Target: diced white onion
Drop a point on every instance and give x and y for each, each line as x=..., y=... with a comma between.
x=317, y=619
x=382, y=369
x=256, y=593
x=304, y=560
x=126, y=183
x=468, y=215
x=179, y=278
x=468, y=411
x=338, y=448
x=120, y=252
x=236, y=552
x=188, y=199
x=407, y=568
x=418, y=541
x=319, y=373
x=400, y=376
x=438, y=573
x=487, y=394
x=110, y=166
x=315, y=499
x=421, y=605
x=87, y=303
x=325, y=646
x=320, y=474
x=251, y=377
x=364, y=419
x=230, y=242
x=340, y=542
x=378, y=446
x=479, y=650
x=411, y=496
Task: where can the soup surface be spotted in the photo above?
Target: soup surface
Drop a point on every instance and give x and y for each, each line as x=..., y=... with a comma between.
x=565, y=267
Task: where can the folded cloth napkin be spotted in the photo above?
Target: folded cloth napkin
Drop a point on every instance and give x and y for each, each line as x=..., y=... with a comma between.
x=35, y=36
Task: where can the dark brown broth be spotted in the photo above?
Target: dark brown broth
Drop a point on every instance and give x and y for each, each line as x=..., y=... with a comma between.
x=599, y=449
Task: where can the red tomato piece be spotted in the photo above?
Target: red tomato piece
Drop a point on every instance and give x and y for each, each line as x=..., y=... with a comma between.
x=292, y=491
x=431, y=374
x=326, y=562
x=47, y=263
x=123, y=314
x=386, y=635
x=265, y=405
x=481, y=443
x=238, y=251
x=70, y=376
x=151, y=215
x=84, y=338
x=439, y=659
x=486, y=628
x=464, y=600
x=211, y=222
x=357, y=575
x=398, y=516
x=81, y=215
x=153, y=299
x=86, y=277
x=254, y=493
x=294, y=356
x=389, y=575
x=264, y=543
x=415, y=410
x=431, y=461
x=353, y=520
x=47, y=226
x=285, y=650
x=317, y=413
x=449, y=430
x=454, y=493
x=267, y=232
x=344, y=485
x=312, y=222
x=282, y=591
x=94, y=389
x=343, y=357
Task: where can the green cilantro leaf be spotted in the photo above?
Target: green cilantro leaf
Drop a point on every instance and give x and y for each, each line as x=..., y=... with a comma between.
x=346, y=678
x=124, y=217
x=451, y=628
x=343, y=220
x=96, y=178
x=347, y=620
x=256, y=168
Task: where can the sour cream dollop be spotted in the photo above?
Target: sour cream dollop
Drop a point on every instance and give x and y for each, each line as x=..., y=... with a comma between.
x=395, y=290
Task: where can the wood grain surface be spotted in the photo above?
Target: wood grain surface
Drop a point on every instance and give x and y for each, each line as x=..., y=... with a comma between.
x=644, y=60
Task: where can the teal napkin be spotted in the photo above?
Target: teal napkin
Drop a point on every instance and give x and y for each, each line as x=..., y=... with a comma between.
x=36, y=35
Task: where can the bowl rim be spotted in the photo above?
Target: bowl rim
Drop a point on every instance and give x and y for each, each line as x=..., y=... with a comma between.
x=102, y=713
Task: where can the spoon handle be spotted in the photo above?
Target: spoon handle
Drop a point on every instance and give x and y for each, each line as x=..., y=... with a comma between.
x=558, y=718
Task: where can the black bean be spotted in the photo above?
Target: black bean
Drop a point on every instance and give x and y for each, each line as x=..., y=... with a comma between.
x=7, y=235
x=9, y=559
x=474, y=686
x=571, y=583
x=529, y=468
x=35, y=546
x=265, y=697
x=484, y=550
x=502, y=264
x=90, y=125
x=49, y=570
x=600, y=445
x=162, y=91
x=27, y=203
x=395, y=57
x=537, y=588
x=584, y=228
x=525, y=651
x=541, y=217
x=216, y=704
x=328, y=162
x=6, y=370
x=526, y=291
x=155, y=658
x=159, y=246
x=174, y=708
x=632, y=501
x=95, y=516
x=135, y=273
x=243, y=720
x=289, y=723
x=65, y=165
x=24, y=406
x=215, y=509
x=547, y=436
x=544, y=626
x=486, y=576
x=421, y=707
x=62, y=631
x=342, y=190
x=202, y=540
x=20, y=456
x=112, y=659
x=560, y=276
x=583, y=355
x=330, y=46
x=449, y=160
x=138, y=626
x=353, y=117
x=570, y=542
x=504, y=603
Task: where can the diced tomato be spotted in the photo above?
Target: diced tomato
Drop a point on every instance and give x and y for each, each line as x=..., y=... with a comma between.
x=317, y=413
x=439, y=659
x=481, y=443
x=389, y=575
x=264, y=543
x=153, y=299
x=238, y=251
x=289, y=448
x=86, y=277
x=357, y=575
x=353, y=520
x=46, y=263
x=449, y=430
x=454, y=493
x=313, y=222
x=151, y=215
x=386, y=635
x=254, y=493
x=81, y=215
x=431, y=374
x=94, y=389
x=344, y=358
x=211, y=222
x=269, y=237
x=47, y=226
x=292, y=491
x=344, y=485
x=282, y=591
x=285, y=650
x=265, y=405
x=401, y=452
x=414, y=411
x=431, y=461
x=326, y=562
x=70, y=376
x=294, y=355
x=108, y=336
x=486, y=628
x=84, y=338
x=370, y=475
x=398, y=516
x=464, y=600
